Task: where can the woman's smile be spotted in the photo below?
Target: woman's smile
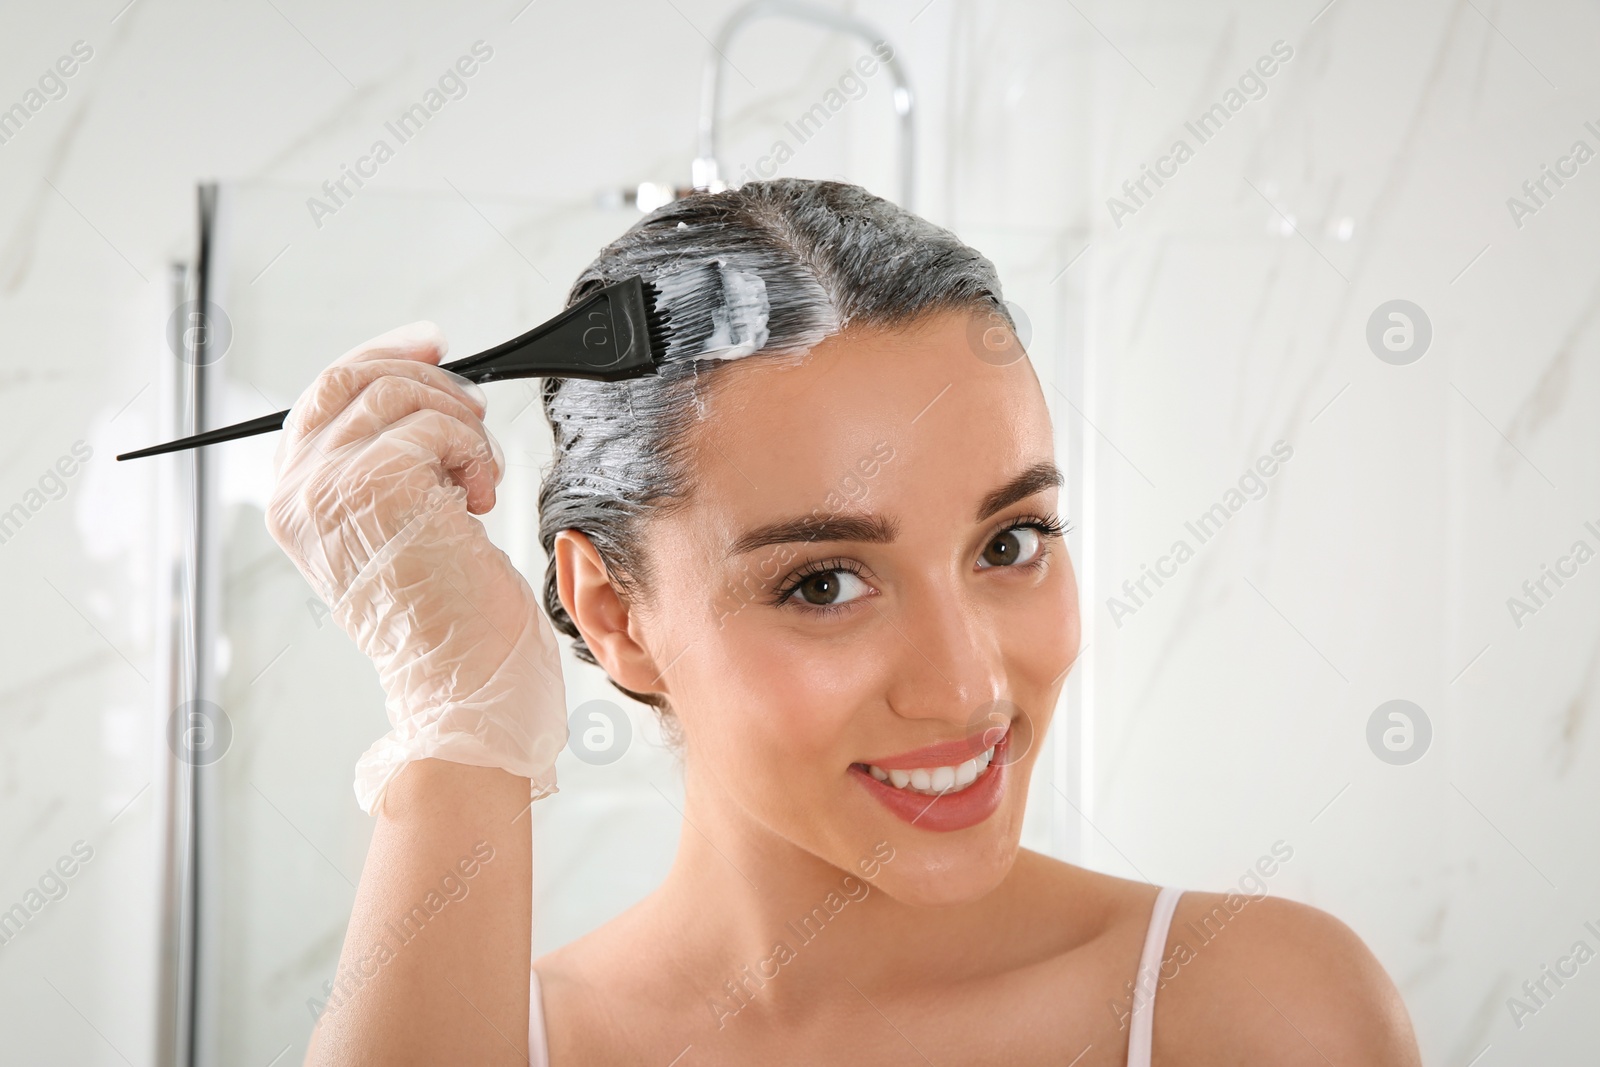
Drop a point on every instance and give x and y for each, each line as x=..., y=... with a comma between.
x=941, y=796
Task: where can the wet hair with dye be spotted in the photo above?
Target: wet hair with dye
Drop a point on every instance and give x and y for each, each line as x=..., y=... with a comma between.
x=765, y=270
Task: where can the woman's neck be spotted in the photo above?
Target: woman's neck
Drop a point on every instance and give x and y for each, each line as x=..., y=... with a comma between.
x=782, y=922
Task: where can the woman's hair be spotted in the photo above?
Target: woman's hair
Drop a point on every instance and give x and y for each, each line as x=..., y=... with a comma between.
x=828, y=255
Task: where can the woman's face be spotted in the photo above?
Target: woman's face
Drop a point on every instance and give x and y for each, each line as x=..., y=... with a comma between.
x=868, y=580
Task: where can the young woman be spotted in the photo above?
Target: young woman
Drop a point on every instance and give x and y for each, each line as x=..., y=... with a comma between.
x=824, y=544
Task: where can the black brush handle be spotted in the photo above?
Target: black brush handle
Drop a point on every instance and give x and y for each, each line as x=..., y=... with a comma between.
x=607, y=336
x=265, y=424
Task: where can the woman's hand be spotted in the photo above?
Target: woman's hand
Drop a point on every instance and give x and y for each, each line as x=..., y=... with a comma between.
x=384, y=463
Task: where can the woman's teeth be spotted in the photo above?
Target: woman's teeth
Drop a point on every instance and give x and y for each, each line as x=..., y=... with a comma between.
x=935, y=780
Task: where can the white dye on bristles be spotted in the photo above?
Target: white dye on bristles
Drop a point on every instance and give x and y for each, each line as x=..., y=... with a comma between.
x=712, y=311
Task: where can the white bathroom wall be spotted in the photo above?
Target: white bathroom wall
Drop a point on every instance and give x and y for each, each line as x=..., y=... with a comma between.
x=1229, y=312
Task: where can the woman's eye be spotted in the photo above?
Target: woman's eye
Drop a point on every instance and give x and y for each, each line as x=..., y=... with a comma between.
x=829, y=588
x=1020, y=544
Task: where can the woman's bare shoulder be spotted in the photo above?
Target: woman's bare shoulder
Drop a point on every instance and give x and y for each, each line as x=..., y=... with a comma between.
x=1260, y=978
x=597, y=990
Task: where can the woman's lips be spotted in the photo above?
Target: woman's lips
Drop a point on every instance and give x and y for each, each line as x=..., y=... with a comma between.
x=952, y=809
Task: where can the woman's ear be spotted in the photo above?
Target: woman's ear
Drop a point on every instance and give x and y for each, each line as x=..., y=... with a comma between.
x=602, y=616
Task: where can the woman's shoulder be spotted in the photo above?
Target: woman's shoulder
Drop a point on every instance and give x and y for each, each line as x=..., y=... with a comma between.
x=1243, y=978
x=1257, y=977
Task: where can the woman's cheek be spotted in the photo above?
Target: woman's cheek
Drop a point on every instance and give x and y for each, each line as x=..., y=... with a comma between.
x=1046, y=634
x=800, y=693
x=1066, y=619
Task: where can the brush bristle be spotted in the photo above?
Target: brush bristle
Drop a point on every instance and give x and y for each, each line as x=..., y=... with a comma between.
x=656, y=324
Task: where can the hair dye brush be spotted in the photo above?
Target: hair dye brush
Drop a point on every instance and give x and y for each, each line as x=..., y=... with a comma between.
x=616, y=333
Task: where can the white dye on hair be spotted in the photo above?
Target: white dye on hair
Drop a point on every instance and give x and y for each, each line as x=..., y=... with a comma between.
x=741, y=323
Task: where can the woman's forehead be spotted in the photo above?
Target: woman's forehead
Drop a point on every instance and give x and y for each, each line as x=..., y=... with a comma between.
x=911, y=413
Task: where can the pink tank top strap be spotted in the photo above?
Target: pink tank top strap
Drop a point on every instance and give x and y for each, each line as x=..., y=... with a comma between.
x=1140, y=1034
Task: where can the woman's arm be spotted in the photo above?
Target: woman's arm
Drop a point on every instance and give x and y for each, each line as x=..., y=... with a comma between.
x=436, y=959
x=384, y=465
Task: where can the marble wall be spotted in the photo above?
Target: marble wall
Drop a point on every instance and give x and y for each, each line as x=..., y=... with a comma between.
x=1233, y=308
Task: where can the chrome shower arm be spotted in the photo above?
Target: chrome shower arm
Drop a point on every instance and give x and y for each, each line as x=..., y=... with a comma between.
x=707, y=172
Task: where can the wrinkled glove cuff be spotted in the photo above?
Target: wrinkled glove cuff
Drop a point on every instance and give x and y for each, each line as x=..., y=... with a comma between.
x=515, y=719
x=516, y=722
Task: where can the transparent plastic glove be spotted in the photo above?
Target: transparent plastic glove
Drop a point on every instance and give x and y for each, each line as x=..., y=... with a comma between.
x=383, y=465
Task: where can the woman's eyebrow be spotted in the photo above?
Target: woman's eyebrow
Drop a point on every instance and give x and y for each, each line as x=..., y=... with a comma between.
x=871, y=528
x=1035, y=479
x=867, y=528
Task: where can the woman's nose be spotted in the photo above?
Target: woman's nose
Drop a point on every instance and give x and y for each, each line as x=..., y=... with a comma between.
x=950, y=663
